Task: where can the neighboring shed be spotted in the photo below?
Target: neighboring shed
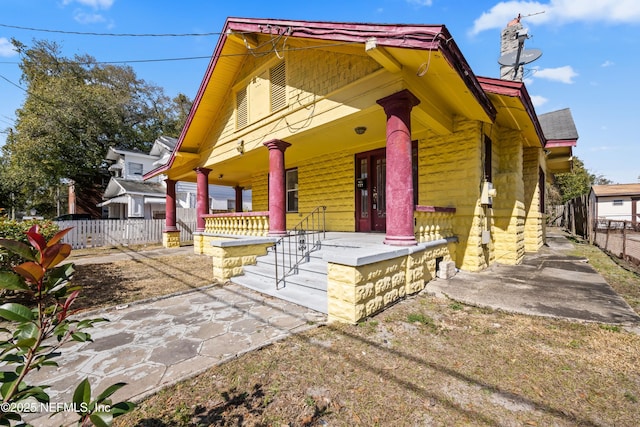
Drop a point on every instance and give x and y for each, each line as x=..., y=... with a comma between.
x=617, y=202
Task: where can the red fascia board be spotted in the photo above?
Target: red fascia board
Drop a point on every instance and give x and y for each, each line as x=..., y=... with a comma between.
x=514, y=90
x=554, y=143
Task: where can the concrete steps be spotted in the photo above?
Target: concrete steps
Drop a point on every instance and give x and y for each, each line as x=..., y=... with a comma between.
x=307, y=287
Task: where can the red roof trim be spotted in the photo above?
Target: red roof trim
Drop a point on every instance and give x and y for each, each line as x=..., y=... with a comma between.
x=516, y=90
x=553, y=143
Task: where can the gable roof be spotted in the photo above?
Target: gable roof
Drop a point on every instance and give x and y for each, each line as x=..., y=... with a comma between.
x=616, y=190
x=120, y=186
x=420, y=48
x=559, y=125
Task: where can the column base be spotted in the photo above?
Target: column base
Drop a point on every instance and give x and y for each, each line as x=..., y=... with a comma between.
x=400, y=240
x=171, y=239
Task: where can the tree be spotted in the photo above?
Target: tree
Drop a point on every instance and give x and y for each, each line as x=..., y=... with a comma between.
x=578, y=182
x=75, y=109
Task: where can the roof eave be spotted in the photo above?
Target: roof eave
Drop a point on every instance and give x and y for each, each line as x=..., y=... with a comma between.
x=515, y=90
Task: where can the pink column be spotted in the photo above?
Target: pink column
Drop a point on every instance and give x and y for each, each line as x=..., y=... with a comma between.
x=277, y=197
x=399, y=172
x=170, y=206
x=238, y=198
x=202, y=196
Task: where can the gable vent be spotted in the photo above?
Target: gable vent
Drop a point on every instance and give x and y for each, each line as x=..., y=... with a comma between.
x=278, y=78
x=242, y=110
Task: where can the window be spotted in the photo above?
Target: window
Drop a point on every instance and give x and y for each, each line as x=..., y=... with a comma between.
x=542, y=188
x=291, y=177
x=264, y=94
x=135, y=168
x=618, y=202
x=487, y=159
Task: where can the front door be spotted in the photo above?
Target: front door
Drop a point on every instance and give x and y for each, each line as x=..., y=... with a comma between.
x=371, y=172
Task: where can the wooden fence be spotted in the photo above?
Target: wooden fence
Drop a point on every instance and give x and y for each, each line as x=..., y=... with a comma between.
x=619, y=238
x=576, y=216
x=121, y=232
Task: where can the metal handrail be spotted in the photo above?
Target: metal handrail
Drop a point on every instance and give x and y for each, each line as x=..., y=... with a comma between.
x=299, y=242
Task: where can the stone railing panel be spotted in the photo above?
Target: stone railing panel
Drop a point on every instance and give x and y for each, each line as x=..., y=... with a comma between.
x=433, y=223
x=238, y=223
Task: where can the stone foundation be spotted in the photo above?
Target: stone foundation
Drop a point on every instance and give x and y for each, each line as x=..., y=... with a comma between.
x=360, y=287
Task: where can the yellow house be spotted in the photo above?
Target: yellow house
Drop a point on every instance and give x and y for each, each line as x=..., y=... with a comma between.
x=369, y=131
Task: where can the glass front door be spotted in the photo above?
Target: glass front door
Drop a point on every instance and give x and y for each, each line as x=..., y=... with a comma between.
x=371, y=173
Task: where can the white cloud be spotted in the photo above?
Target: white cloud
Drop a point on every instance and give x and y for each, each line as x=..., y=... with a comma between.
x=96, y=4
x=602, y=148
x=420, y=2
x=564, y=74
x=538, y=100
x=87, y=18
x=6, y=48
x=607, y=63
x=558, y=11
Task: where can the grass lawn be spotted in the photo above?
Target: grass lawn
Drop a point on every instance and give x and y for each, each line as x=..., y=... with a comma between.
x=424, y=361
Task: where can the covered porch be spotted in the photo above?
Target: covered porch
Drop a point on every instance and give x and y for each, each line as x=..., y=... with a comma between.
x=347, y=275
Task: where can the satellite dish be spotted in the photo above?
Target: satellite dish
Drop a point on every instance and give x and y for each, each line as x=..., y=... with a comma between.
x=526, y=56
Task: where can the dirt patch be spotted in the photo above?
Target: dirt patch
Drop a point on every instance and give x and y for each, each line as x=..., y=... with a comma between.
x=123, y=282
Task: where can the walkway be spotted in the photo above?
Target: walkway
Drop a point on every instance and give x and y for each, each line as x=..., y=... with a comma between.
x=548, y=283
x=151, y=345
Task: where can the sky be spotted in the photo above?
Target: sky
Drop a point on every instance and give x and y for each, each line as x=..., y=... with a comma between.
x=588, y=63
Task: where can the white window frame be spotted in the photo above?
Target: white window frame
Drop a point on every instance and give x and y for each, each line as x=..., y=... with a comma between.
x=293, y=189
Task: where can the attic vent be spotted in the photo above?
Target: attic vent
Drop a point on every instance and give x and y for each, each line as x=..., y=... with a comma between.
x=242, y=114
x=264, y=93
x=278, y=78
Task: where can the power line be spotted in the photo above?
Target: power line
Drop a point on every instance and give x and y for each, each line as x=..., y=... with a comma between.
x=190, y=58
x=81, y=33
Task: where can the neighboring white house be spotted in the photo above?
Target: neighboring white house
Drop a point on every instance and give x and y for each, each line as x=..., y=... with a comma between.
x=128, y=196
x=617, y=202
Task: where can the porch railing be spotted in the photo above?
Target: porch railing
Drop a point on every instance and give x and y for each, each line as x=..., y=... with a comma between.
x=238, y=223
x=433, y=223
x=294, y=248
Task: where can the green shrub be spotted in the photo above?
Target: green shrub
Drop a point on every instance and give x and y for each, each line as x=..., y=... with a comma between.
x=17, y=231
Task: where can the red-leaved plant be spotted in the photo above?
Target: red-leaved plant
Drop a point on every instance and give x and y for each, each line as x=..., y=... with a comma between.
x=32, y=336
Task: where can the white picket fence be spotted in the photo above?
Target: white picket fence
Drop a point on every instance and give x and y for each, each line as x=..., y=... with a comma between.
x=120, y=232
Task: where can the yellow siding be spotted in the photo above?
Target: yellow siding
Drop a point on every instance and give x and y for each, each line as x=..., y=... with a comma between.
x=322, y=181
x=508, y=205
x=260, y=192
x=317, y=73
x=534, y=221
x=450, y=174
x=327, y=181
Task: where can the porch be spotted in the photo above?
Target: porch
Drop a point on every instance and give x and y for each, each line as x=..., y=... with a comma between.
x=347, y=275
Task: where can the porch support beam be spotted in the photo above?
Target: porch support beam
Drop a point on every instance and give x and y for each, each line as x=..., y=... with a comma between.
x=170, y=206
x=381, y=56
x=277, y=199
x=399, y=187
x=238, y=198
x=202, y=197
